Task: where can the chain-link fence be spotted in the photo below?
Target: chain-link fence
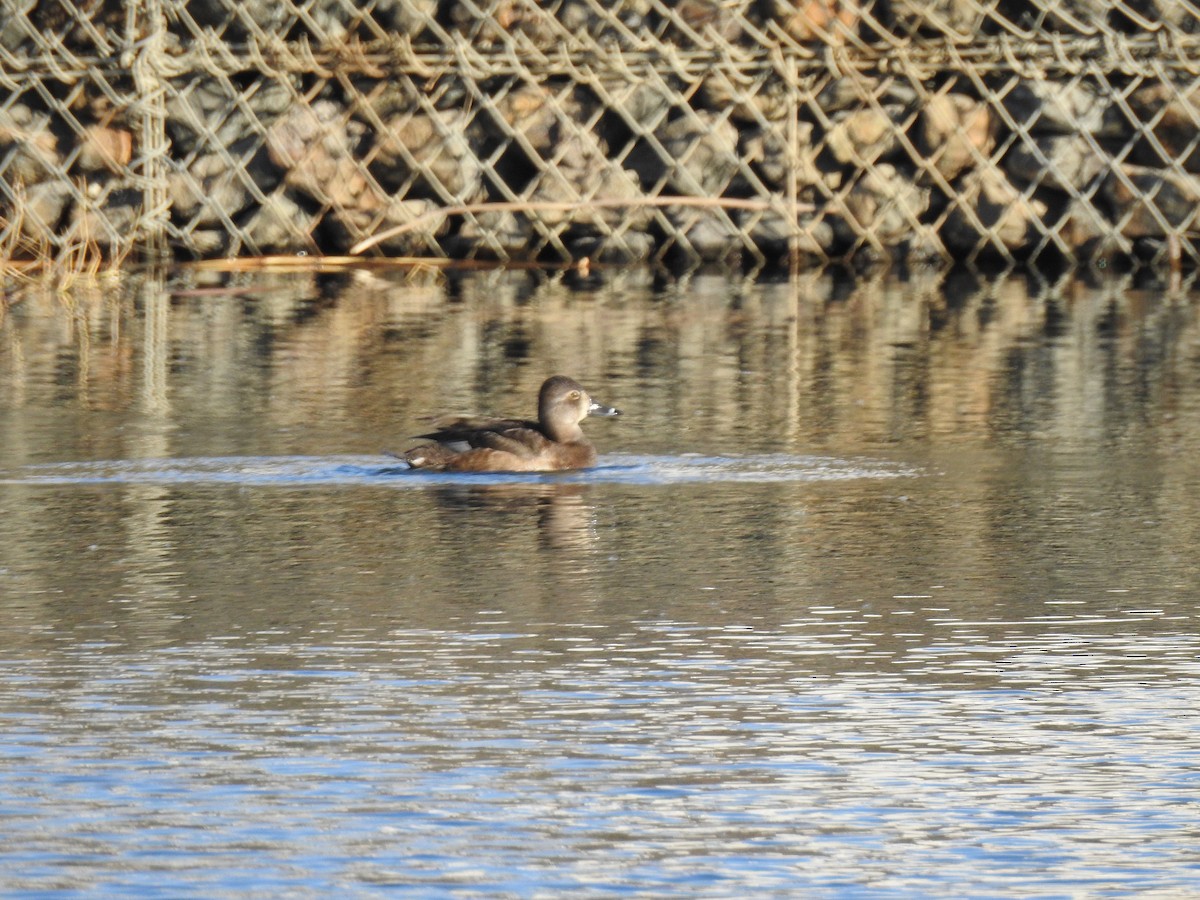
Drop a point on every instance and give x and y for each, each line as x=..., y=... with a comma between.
x=764, y=130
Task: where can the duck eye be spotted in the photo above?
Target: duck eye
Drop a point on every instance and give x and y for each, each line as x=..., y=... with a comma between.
x=574, y=395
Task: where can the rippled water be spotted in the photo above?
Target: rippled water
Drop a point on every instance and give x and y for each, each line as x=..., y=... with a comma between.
x=878, y=590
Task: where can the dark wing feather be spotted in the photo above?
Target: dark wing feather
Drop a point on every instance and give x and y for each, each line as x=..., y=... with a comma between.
x=517, y=436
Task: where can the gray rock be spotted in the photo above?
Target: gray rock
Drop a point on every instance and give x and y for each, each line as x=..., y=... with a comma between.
x=884, y=206
x=698, y=158
x=1174, y=110
x=1061, y=161
x=770, y=233
x=1086, y=226
x=280, y=224
x=316, y=147
x=990, y=212
x=536, y=116
x=109, y=218
x=1041, y=106
x=16, y=30
x=206, y=243
x=235, y=21
x=323, y=21
x=766, y=151
x=697, y=21
x=34, y=148
x=710, y=235
x=1150, y=203
x=203, y=116
x=1073, y=16
x=41, y=209
x=496, y=235
x=335, y=19
x=347, y=225
x=959, y=20
x=206, y=191
x=749, y=100
x=584, y=173
x=1147, y=14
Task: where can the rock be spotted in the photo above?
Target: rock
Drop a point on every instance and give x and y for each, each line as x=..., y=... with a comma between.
x=701, y=155
x=1181, y=17
x=280, y=224
x=26, y=26
x=533, y=113
x=1077, y=16
x=34, y=148
x=959, y=20
x=204, y=117
x=1151, y=203
x=322, y=21
x=317, y=148
x=748, y=100
x=1087, y=227
x=422, y=156
x=495, y=235
x=692, y=21
x=707, y=234
x=809, y=21
x=103, y=148
x=885, y=206
x=639, y=102
x=207, y=243
x=584, y=173
x=1070, y=163
x=766, y=152
x=200, y=196
x=236, y=22
x=864, y=135
x=210, y=192
x=604, y=24
x=1174, y=110
x=989, y=211
x=955, y=132
x=41, y=208
x=347, y=225
x=16, y=31
x=770, y=233
x=505, y=21
x=335, y=19
x=110, y=217
x=1040, y=106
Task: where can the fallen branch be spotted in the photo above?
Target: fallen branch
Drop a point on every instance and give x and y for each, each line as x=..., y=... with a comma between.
x=562, y=206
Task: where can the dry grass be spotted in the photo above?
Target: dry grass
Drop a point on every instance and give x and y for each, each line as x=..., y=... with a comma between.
x=28, y=254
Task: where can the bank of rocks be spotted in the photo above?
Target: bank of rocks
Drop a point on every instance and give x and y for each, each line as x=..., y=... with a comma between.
x=882, y=165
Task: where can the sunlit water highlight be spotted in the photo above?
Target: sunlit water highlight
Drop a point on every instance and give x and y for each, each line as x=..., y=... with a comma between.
x=613, y=469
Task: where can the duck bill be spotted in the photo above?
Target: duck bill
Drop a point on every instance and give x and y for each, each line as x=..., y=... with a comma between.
x=597, y=410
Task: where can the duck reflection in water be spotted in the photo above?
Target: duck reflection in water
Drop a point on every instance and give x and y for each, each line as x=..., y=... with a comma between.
x=553, y=443
x=564, y=519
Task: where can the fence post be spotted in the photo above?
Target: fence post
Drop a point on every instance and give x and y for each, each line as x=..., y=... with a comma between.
x=146, y=30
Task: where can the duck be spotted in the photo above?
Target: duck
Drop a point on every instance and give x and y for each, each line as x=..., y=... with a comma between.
x=554, y=443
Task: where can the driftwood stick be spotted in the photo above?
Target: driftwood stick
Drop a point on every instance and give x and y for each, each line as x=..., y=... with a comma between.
x=560, y=206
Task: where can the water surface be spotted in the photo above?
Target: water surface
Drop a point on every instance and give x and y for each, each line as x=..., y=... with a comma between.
x=881, y=588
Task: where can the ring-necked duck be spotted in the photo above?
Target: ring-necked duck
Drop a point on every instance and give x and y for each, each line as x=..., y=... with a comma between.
x=553, y=443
